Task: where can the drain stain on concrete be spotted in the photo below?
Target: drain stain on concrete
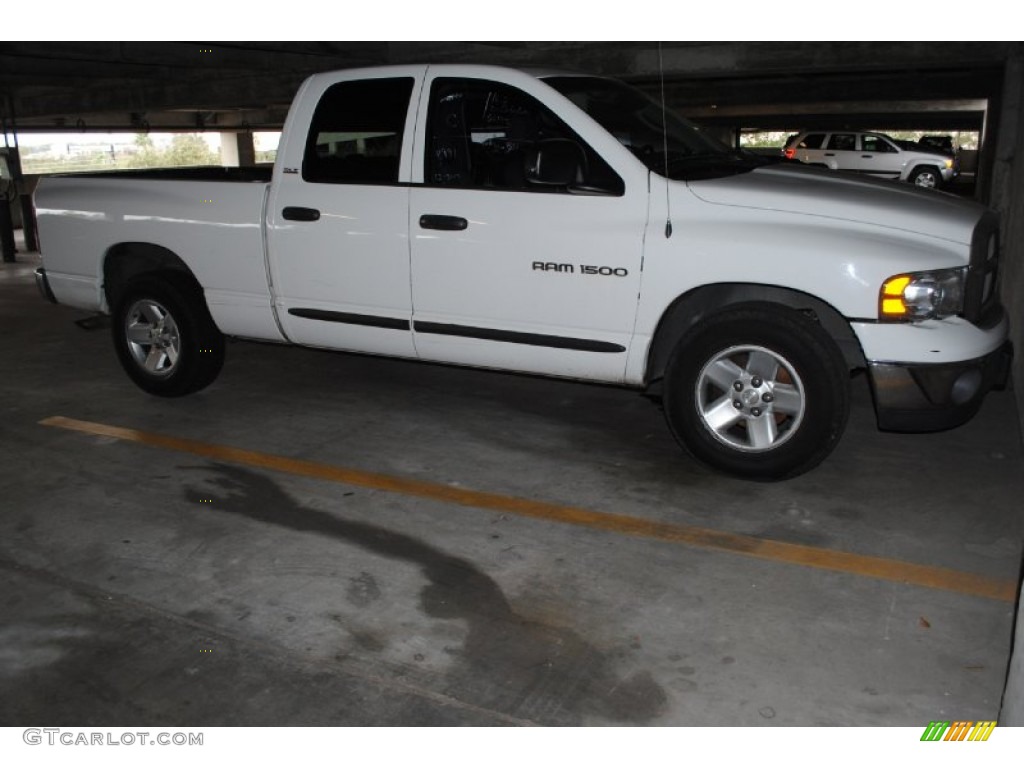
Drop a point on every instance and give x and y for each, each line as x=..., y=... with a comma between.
x=362, y=590
x=508, y=663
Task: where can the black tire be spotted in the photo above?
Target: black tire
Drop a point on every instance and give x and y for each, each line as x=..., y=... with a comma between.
x=790, y=417
x=926, y=176
x=164, y=336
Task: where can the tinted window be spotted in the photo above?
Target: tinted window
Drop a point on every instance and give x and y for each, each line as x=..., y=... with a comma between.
x=481, y=134
x=843, y=141
x=356, y=134
x=812, y=141
x=876, y=144
x=664, y=142
x=941, y=143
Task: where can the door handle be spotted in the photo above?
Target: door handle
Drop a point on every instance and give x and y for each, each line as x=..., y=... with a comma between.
x=448, y=223
x=867, y=156
x=830, y=154
x=296, y=213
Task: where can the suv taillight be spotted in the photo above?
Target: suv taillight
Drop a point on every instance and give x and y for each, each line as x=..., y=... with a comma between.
x=789, y=152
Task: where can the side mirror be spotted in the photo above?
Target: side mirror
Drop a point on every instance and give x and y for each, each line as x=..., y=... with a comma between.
x=555, y=162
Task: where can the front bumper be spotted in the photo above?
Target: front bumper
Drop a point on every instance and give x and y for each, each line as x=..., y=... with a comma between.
x=927, y=398
x=43, y=284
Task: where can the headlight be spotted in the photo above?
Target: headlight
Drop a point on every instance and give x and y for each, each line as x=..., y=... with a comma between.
x=922, y=295
x=949, y=163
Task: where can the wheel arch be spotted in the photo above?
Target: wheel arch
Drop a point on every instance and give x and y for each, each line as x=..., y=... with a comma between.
x=126, y=261
x=692, y=307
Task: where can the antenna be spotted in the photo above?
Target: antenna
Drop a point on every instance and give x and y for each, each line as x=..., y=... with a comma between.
x=664, y=144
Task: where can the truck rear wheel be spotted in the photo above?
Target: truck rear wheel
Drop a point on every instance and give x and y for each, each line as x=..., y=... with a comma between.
x=757, y=391
x=165, y=338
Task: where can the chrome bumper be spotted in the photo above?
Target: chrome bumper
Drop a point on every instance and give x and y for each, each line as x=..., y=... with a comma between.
x=927, y=398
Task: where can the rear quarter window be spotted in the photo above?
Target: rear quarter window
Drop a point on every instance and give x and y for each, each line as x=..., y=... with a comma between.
x=812, y=141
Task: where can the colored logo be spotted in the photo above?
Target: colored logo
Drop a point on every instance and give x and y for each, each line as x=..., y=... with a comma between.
x=958, y=730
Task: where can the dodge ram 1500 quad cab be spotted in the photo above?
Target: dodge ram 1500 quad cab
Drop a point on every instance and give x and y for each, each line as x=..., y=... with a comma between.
x=552, y=224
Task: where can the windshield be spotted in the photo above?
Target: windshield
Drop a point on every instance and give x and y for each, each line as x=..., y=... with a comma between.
x=636, y=121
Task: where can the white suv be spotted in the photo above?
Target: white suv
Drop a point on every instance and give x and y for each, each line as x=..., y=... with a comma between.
x=872, y=153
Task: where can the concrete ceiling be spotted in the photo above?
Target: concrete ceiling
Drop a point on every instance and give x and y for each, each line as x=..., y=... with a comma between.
x=219, y=85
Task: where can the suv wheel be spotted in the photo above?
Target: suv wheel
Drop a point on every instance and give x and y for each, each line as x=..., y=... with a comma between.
x=926, y=176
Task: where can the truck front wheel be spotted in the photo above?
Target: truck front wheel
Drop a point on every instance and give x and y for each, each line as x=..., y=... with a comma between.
x=165, y=338
x=758, y=392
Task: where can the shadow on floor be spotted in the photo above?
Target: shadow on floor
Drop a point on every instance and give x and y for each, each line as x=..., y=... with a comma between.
x=508, y=663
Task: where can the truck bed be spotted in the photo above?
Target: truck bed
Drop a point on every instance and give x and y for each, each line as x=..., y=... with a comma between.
x=258, y=173
x=211, y=218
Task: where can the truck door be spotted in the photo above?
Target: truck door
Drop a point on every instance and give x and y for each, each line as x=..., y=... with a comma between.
x=338, y=215
x=510, y=272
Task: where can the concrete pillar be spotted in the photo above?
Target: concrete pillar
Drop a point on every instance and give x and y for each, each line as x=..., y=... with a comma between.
x=26, y=187
x=6, y=230
x=228, y=149
x=237, y=149
x=1008, y=198
x=28, y=221
x=7, y=191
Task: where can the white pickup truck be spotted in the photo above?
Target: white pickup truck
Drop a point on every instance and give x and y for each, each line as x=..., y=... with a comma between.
x=551, y=224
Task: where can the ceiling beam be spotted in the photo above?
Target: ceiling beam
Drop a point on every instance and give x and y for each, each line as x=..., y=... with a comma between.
x=53, y=82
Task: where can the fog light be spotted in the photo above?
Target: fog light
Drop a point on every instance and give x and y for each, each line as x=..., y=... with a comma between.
x=966, y=386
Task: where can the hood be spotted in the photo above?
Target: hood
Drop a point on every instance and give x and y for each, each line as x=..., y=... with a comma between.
x=793, y=188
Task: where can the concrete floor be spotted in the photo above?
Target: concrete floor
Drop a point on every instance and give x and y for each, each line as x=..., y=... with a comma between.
x=144, y=585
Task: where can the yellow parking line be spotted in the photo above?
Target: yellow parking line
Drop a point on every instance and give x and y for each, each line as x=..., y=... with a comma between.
x=707, y=538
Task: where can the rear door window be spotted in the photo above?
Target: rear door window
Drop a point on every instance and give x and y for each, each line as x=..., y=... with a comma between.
x=356, y=133
x=875, y=144
x=844, y=142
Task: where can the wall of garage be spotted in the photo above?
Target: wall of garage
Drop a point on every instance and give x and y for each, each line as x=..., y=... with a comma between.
x=1008, y=198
